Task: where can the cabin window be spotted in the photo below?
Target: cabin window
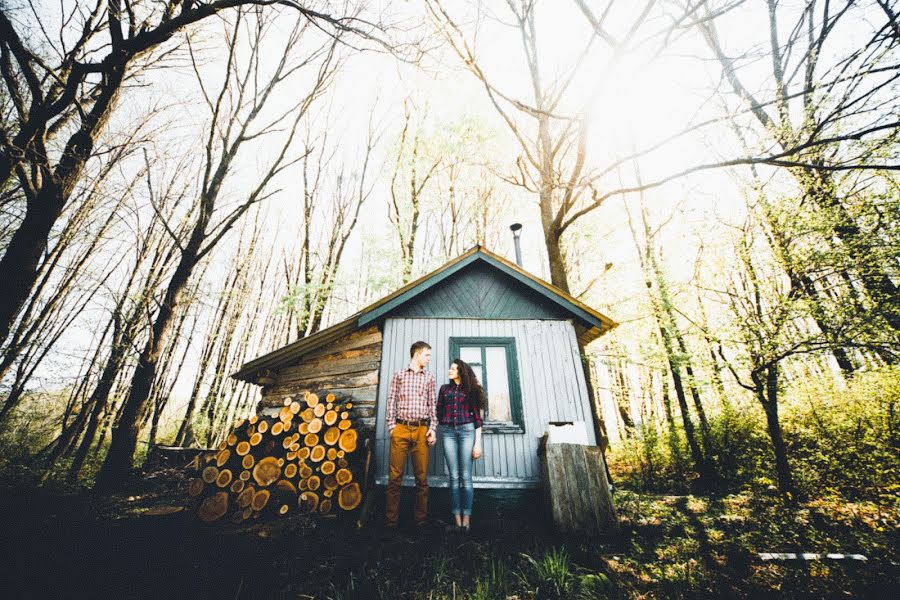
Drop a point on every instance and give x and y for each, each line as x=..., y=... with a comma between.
x=494, y=362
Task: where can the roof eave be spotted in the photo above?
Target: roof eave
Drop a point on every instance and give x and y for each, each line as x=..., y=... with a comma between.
x=295, y=350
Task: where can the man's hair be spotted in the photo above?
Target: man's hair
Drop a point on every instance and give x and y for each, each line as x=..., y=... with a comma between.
x=418, y=346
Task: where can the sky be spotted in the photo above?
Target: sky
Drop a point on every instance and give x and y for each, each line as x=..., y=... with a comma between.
x=644, y=96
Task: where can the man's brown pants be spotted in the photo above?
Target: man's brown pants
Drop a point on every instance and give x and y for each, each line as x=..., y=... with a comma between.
x=406, y=439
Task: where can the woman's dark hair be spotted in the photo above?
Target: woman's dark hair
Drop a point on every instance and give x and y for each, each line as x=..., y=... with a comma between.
x=469, y=383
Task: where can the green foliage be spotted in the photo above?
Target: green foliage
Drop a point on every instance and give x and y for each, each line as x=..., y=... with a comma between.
x=24, y=433
x=656, y=460
x=841, y=442
x=743, y=448
x=650, y=460
x=496, y=582
x=553, y=573
x=554, y=576
x=846, y=442
x=549, y=577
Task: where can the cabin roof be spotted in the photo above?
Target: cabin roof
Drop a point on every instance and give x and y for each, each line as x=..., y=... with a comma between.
x=589, y=323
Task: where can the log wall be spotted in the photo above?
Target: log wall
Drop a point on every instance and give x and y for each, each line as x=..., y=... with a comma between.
x=345, y=368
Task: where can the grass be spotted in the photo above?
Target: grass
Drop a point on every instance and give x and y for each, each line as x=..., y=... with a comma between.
x=672, y=546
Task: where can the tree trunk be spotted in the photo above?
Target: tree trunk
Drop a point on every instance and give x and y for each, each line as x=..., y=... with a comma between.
x=118, y=465
x=696, y=453
x=19, y=265
x=767, y=392
x=714, y=368
x=558, y=274
x=672, y=437
x=21, y=260
x=90, y=431
x=695, y=393
x=623, y=399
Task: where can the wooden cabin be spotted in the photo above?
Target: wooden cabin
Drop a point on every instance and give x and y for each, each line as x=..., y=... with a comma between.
x=522, y=335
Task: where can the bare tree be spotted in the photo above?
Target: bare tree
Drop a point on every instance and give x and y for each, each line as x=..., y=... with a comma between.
x=334, y=192
x=663, y=315
x=237, y=117
x=68, y=259
x=838, y=112
x=64, y=94
x=151, y=255
x=552, y=134
x=412, y=171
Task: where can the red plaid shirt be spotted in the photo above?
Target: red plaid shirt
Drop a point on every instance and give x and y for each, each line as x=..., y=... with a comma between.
x=412, y=397
x=453, y=407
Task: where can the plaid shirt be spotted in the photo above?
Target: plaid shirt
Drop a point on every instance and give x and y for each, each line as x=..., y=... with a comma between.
x=453, y=407
x=412, y=397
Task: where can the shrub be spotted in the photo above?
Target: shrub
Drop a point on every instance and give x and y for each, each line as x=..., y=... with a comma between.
x=846, y=441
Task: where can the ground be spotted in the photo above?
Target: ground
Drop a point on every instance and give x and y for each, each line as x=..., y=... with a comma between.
x=115, y=546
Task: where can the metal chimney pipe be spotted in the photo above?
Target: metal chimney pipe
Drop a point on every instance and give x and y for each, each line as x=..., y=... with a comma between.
x=516, y=229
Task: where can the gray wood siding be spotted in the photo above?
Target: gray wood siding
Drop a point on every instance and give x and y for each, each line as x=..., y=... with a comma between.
x=551, y=378
x=346, y=367
x=480, y=291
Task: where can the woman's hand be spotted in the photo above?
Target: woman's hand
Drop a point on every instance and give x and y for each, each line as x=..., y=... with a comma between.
x=476, y=452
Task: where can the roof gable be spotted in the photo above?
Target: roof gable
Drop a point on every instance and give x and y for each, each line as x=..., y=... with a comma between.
x=457, y=281
x=478, y=291
x=487, y=276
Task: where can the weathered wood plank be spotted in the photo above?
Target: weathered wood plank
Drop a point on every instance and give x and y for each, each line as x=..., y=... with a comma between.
x=340, y=381
x=551, y=471
x=605, y=510
x=576, y=489
x=331, y=368
x=582, y=511
x=357, y=339
x=567, y=492
x=371, y=351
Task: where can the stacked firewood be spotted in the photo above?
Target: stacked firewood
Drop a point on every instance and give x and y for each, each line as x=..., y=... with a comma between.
x=300, y=460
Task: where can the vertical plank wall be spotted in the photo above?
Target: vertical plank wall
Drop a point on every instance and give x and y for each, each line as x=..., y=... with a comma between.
x=551, y=378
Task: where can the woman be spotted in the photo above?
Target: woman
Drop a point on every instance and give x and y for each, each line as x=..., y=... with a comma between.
x=459, y=407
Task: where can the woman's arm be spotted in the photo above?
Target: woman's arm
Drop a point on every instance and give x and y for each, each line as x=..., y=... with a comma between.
x=476, y=449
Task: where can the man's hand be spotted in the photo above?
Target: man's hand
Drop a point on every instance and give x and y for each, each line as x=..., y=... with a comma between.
x=476, y=452
x=430, y=438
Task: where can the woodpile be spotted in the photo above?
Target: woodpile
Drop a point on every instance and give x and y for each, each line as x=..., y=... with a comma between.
x=302, y=460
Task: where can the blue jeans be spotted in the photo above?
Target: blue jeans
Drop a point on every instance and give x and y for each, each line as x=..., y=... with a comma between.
x=458, y=442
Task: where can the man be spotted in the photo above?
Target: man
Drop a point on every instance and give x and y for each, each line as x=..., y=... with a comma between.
x=411, y=423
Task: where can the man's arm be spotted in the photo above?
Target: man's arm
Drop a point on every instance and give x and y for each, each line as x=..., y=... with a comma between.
x=432, y=405
x=393, y=392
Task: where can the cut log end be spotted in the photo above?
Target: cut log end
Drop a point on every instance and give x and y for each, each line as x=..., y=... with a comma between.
x=224, y=478
x=260, y=499
x=266, y=471
x=209, y=474
x=214, y=507
x=347, y=442
x=350, y=496
x=195, y=488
